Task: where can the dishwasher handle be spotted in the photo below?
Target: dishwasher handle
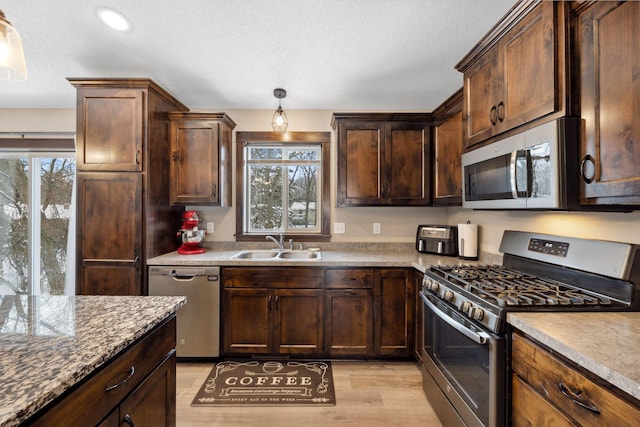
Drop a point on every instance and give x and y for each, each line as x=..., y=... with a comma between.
x=190, y=277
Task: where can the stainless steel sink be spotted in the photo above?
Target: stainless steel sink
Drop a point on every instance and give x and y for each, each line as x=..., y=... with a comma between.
x=275, y=255
x=255, y=254
x=299, y=255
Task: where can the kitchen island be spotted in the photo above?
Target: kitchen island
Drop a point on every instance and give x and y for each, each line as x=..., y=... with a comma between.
x=55, y=348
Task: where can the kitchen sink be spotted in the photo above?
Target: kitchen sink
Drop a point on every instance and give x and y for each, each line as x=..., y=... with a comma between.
x=275, y=255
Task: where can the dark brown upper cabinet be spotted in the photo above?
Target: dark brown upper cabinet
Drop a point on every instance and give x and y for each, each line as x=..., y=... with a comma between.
x=609, y=52
x=200, y=167
x=517, y=73
x=447, y=152
x=384, y=159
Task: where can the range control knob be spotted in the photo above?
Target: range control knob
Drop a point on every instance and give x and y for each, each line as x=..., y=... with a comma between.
x=434, y=286
x=465, y=306
x=448, y=295
x=476, y=313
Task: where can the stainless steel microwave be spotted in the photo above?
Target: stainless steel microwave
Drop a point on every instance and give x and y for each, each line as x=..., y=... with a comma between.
x=534, y=169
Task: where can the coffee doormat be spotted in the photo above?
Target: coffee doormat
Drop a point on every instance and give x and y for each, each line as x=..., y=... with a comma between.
x=256, y=383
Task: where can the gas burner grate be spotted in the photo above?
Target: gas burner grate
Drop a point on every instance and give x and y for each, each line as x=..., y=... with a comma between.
x=503, y=287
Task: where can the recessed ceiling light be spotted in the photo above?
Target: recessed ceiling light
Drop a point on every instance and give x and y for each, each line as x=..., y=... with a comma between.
x=113, y=19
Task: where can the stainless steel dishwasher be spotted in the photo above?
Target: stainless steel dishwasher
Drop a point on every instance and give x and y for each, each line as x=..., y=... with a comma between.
x=198, y=321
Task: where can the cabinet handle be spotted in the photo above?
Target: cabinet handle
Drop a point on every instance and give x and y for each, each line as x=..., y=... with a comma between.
x=493, y=115
x=575, y=398
x=500, y=111
x=583, y=165
x=269, y=303
x=277, y=301
x=350, y=293
x=132, y=371
x=175, y=156
x=138, y=156
x=214, y=191
x=136, y=263
x=128, y=420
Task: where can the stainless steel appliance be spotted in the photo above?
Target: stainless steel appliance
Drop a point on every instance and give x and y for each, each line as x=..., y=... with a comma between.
x=437, y=239
x=465, y=336
x=534, y=169
x=198, y=321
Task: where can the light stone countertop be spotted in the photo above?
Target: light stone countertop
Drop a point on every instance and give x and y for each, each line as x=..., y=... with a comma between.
x=401, y=256
x=606, y=344
x=50, y=343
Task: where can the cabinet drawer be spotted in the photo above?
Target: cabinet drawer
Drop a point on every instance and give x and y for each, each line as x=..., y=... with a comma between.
x=269, y=277
x=531, y=409
x=349, y=279
x=93, y=399
x=551, y=377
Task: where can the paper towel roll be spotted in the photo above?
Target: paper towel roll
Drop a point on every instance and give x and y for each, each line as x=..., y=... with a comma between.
x=468, y=241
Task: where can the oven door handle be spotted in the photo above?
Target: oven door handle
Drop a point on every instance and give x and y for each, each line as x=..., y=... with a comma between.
x=478, y=337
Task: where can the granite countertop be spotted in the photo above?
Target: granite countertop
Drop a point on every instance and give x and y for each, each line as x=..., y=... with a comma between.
x=605, y=344
x=354, y=257
x=50, y=343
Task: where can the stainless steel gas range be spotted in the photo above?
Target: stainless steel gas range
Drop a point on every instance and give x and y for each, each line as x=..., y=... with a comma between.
x=465, y=335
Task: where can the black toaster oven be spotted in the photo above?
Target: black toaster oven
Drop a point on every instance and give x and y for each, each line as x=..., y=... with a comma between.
x=437, y=239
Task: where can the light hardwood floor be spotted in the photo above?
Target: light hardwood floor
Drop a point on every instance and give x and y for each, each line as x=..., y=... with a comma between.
x=367, y=394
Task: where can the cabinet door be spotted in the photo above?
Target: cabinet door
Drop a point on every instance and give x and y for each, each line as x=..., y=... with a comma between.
x=349, y=322
x=407, y=168
x=111, y=125
x=359, y=163
x=609, y=46
x=447, y=165
x=248, y=321
x=298, y=323
x=109, y=233
x=394, y=313
x=528, y=68
x=153, y=403
x=194, y=162
x=480, y=93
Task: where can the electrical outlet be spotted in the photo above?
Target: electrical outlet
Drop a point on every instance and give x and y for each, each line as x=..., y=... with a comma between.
x=376, y=228
x=210, y=228
x=339, y=228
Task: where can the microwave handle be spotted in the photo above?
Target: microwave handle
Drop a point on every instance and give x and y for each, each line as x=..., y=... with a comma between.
x=512, y=174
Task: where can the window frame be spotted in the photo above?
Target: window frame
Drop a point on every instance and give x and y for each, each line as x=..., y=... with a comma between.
x=322, y=138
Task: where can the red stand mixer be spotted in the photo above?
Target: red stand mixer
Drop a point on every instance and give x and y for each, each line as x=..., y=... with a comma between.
x=191, y=236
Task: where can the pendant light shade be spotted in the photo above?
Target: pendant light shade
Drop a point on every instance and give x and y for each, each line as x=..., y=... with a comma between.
x=279, y=122
x=12, y=65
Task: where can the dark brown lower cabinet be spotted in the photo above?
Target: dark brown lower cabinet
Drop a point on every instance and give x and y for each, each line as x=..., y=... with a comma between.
x=361, y=312
x=550, y=390
x=282, y=321
x=394, y=313
x=152, y=404
x=348, y=322
x=136, y=387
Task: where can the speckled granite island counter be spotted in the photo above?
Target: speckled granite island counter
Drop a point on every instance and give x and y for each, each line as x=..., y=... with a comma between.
x=49, y=345
x=606, y=344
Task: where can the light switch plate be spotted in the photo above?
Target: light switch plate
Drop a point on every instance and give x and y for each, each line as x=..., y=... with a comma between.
x=339, y=228
x=376, y=228
x=210, y=227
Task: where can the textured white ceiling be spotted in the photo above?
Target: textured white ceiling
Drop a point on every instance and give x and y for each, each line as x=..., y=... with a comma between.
x=231, y=54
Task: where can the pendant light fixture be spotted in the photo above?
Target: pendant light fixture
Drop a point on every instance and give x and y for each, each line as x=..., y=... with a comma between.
x=279, y=121
x=12, y=65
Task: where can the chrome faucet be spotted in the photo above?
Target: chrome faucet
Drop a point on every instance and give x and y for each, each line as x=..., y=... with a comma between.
x=279, y=243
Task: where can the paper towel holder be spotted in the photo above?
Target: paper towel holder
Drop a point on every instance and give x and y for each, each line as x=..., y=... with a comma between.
x=468, y=250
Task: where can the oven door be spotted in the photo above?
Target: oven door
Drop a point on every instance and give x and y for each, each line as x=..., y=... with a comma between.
x=467, y=363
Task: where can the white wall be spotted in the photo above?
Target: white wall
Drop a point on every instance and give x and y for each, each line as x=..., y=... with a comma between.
x=398, y=224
